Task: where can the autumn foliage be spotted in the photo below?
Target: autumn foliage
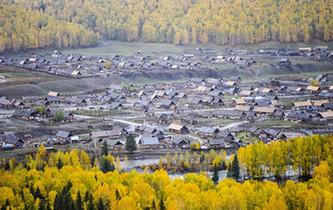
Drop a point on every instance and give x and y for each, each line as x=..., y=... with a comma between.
x=177, y=21
x=23, y=29
x=71, y=180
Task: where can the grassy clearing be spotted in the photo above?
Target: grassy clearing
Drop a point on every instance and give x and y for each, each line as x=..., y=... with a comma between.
x=246, y=137
x=273, y=123
x=21, y=90
x=109, y=48
x=101, y=113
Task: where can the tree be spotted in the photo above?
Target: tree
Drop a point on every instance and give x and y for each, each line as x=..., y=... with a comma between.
x=215, y=177
x=100, y=205
x=59, y=163
x=78, y=203
x=105, y=149
x=41, y=110
x=233, y=169
x=106, y=164
x=130, y=143
x=59, y=116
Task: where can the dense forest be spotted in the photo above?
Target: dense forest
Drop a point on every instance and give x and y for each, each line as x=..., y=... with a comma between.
x=24, y=29
x=178, y=21
x=73, y=180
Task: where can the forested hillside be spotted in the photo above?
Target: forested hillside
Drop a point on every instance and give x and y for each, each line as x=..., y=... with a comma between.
x=185, y=21
x=24, y=29
x=73, y=180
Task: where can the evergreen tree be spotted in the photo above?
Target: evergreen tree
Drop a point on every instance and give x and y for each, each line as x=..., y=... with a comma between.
x=4, y=207
x=235, y=168
x=59, y=164
x=215, y=177
x=38, y=194
x=64, y=199
x=86, y=197
x=90, y=203
x=118, y=197
x=78, y=204
x=162, y=205
x=106, y=165
x=105, y=149
x=100, y=205
x=130, y=143
x=58, y=202
x=43, y=205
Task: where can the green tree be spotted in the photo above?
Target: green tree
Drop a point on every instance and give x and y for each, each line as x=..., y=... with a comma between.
x=233, y=169
x=106, y=165
x=105, y=149
x=215, y=177
x=100, y=205
x=130, y=143
x=59, y=116
x=41, y=110
x=78, y=203
x=59, y=163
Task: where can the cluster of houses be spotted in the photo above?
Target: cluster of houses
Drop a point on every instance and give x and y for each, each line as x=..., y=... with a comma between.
x=78, y=66
x=172, y=115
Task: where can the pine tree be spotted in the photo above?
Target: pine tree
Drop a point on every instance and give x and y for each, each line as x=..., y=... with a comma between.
x=38, y=194
x=130, y=143
x=58, y=202
x=215, y=177
x=4, y=207
x=106, y=165
x=235, y=168
x=105, y=149
x=100, y=205
x=43, y=205
x=162, y=205
x=118, y=197
x=59, y=164
x=86, y=197
x=90, y=203
x=78, y=205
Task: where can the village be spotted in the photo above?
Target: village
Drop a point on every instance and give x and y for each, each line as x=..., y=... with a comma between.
x=215, y=111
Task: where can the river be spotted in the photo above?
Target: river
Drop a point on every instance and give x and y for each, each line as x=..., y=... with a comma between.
x=129, y=165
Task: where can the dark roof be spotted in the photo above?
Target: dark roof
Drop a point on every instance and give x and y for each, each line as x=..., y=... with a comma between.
x=179, y=141
x=216, y=142
x=10, y=138
x=195, y=101
x=115, y=105
x=167, y=103
x=262, y=102
x=272, y=132
x=225, y=134
x=52, y=99
x=149, y=140
x=229, y=113
x=25, y=113
x=208, y=130
x=63, y=134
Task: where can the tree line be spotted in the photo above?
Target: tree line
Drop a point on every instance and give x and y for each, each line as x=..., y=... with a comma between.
x=195, y=21
x=299, y=156
x=25, y=29
x=74, y=180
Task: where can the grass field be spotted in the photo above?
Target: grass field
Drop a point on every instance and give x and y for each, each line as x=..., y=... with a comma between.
x=107, y=48
x=19, y=82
